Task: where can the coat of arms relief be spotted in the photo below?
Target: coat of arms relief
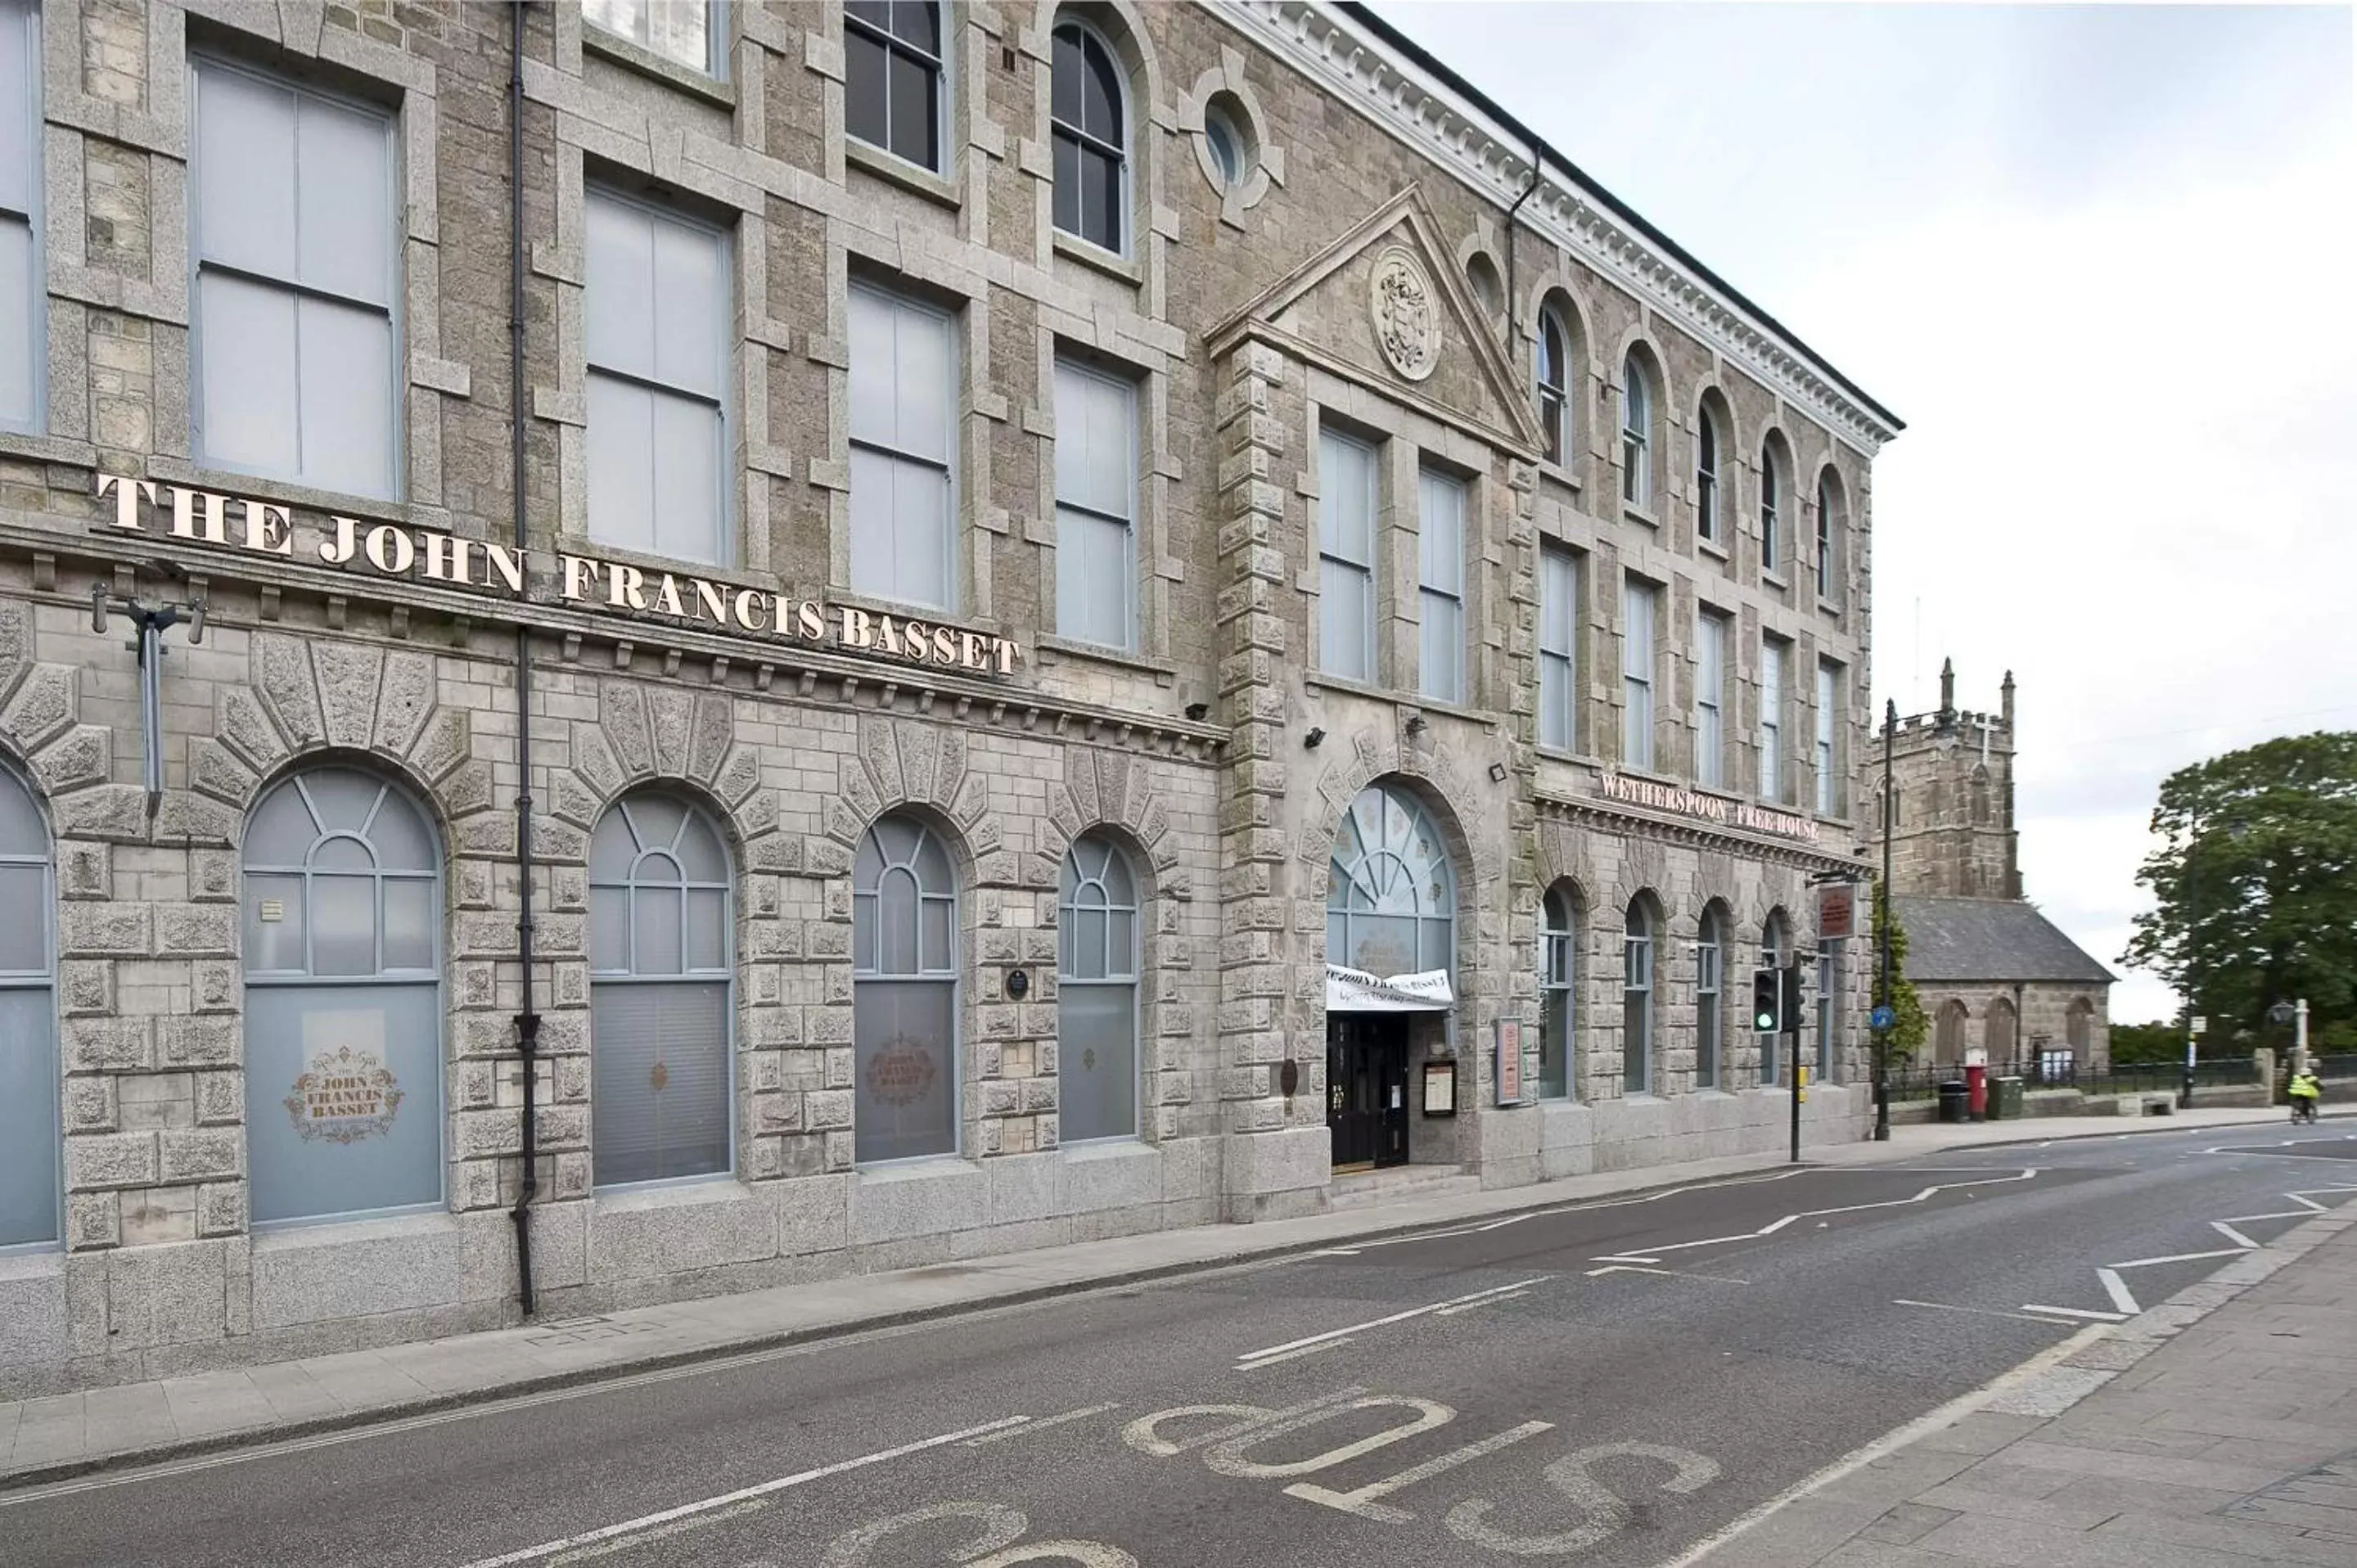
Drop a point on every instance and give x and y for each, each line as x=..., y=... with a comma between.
x=1406, y=317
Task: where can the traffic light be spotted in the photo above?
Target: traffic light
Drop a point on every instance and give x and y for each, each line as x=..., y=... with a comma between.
x=1792, y=1009
x=1766, y=1007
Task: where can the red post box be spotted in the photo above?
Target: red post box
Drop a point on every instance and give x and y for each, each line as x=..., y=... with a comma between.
x=1976, y=1084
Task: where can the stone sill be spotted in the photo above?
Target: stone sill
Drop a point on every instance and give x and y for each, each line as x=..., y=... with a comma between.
x=917, y=1167
x=295, y=1235
x=1068, y=648
x=1098, y=259
x=1344, y=686
x=899, y=171
x=38, y=1261
x=634, y=55
x=692, y=1192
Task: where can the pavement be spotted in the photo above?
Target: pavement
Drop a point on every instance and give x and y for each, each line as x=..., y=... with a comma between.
x=2218, y=1429
x=52, y=1438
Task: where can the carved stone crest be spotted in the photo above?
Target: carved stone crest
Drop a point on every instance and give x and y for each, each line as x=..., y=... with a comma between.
x=1407, y=318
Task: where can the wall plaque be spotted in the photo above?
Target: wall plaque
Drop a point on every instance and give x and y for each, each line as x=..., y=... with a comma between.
x=1406, y=317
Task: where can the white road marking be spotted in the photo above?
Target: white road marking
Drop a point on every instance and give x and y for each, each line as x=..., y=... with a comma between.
x=1672, y=1273
x=1243, y=1366
x=547, y=1550
x=1947, y=1416
x=1473, y=1305
x=1042, y=1424
x=2180, y=1257
x=2236, y=1237
x=1254, y=1355
x=1653, y=1255
x=2085, y=1312
x=660, y=1532
x=1981, y=1311
x=1361, y=1501
x=2118, y=1291
x=1574, y=1207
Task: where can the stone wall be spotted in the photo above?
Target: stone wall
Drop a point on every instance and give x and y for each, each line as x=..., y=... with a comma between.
x=1242, y=315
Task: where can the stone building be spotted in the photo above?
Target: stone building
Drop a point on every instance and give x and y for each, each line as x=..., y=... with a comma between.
x=1991, y=970
x=1037, y=622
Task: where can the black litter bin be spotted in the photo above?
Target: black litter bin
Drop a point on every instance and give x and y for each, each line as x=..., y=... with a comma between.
x=1955, y=1101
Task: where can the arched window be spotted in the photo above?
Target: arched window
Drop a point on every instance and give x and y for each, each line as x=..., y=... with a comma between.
x=892, y=77
x=904, y=966
x=1482, y=277
x=1706, y=488
x=1771, y=509
x=660, y=972
x=1710, y=996
x=1775, y=952
x=1089, y=127
x=1829, y=566
x=1636, y=434
x=1948, y=1034
x=342, y=910
x=1391, y=899
x=1998, y=1033
x=2079, y=1029
x=1559, y=992
x=1555, y=385
x=1637, y=1001
x=1096, y=994
x=29, y=1200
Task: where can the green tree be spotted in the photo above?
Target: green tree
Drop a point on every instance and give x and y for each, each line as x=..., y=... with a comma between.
x=2160, y=1041
x=2254, y=884
x=1911, y=1028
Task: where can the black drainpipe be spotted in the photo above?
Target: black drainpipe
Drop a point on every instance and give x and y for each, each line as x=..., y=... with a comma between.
x=527, y=1020
x=1510, y=339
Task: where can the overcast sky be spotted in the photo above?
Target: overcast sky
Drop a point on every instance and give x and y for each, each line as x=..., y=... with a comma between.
x=2103, y=261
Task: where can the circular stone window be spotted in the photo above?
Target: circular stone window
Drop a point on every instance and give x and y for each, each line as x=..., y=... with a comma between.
x=1226, y=133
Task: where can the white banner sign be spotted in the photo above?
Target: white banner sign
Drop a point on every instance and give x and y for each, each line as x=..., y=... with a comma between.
x=1355, y=991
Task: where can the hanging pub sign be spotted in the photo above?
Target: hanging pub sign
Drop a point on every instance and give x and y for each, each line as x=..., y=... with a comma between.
x=1709, y=808
x=400, y=551
x=1836, y=911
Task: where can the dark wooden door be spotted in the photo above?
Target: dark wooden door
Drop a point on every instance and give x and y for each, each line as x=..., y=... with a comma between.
x=1366, y=1088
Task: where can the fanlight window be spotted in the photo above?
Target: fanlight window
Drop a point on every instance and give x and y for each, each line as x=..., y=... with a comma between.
x=904, y=992
x=1391, y=901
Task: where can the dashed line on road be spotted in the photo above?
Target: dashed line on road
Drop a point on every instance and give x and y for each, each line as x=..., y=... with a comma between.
x=1654, y=1254
x=2086, y=1313
x=1671, y=1273
x=636, y=1527
x=2026, y=1316
x=1042, y=1424
x=1255, y=1358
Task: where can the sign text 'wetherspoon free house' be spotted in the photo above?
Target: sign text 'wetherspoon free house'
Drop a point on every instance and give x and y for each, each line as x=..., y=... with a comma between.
x=429, y=555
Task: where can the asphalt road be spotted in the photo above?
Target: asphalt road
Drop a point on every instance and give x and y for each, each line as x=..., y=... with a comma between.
x=1605, y=1384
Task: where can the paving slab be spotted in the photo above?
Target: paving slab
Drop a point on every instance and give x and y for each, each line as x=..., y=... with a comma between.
x=2205, y=1442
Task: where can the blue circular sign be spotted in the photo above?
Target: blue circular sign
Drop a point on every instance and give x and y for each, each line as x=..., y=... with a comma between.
x=1883, y=1017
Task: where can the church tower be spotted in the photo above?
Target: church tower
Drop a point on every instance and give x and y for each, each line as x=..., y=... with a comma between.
x=1954, y=834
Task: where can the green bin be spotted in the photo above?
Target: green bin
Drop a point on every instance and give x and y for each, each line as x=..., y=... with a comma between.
x=2005, y=1100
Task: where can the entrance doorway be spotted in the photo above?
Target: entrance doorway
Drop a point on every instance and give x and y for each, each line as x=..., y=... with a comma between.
x=1366, y=1088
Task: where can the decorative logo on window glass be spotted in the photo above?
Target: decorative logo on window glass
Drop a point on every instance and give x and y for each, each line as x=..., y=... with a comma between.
x=901, y=1073
x=343, y=1097
x=1407, y=327
x=660, y=1076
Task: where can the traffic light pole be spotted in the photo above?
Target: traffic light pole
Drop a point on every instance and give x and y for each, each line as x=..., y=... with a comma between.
x=1790, y=1009
x=1890, y=914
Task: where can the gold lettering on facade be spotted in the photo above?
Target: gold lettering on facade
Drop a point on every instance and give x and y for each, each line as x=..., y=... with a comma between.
x=343, y=544
x=580, y=577
x=509, y=565
x=391, y=549
x=434, y=555
x=199, y=515
x=269, y=530
x=128, y=492
x=447, y=560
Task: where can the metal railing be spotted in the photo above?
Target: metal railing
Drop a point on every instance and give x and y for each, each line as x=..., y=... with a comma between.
x=1920, y=1082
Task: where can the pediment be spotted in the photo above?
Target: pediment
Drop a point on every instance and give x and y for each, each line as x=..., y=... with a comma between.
x=1384, y=305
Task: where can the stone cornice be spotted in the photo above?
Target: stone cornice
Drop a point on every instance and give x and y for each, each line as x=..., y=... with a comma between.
x=1624, y=819
x=1349, y=61
x=65, y=562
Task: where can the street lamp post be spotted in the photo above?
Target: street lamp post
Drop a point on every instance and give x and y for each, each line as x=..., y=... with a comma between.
x=1882, y=966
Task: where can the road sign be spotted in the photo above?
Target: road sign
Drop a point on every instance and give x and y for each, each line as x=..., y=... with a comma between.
x=2201, y=1025
x=1883, y=1017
